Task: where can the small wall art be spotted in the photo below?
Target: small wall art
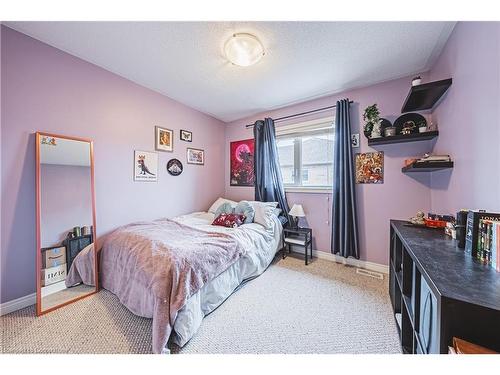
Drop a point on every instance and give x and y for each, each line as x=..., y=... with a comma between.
x=186, y=136
x=355, y=140
x=174, y=167
x=241, y=168
x=145, y=166
x=164, y=139
x=195, y=156
x=370, y=168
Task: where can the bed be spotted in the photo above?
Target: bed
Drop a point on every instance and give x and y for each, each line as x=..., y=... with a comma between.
x=181, y=296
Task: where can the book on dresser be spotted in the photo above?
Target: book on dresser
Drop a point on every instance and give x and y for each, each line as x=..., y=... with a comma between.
x=489, y=243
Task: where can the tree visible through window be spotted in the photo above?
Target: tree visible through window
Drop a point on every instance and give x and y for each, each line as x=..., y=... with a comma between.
x=306, y=158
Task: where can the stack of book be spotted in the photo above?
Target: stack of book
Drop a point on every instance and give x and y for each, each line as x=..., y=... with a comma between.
x=433, y=158
x=488, y=243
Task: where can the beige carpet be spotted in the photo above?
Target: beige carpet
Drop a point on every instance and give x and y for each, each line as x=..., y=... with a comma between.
x=322, y=308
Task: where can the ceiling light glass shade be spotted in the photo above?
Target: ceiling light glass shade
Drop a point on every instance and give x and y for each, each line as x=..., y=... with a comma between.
x=243, y=49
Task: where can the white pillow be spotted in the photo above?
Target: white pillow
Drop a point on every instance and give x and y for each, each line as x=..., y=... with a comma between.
x=264, y=212
x=219, y=202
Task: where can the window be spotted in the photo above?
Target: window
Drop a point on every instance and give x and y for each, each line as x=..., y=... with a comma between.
x=306, y=154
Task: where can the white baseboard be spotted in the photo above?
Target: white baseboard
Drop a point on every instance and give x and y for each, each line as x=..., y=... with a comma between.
x=349, y=261
x=17, y=304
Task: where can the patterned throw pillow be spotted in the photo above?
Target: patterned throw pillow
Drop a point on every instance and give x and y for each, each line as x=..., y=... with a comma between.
x=229, y=220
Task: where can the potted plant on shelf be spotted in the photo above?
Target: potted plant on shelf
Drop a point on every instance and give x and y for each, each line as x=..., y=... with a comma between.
x=371, y=118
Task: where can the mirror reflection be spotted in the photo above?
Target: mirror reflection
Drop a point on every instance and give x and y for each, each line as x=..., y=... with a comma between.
x=66, y=242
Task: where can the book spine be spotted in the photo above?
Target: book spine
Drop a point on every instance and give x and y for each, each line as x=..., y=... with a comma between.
x=487, y=242
x=480, y=240
x=498, y=247
x=494, y=227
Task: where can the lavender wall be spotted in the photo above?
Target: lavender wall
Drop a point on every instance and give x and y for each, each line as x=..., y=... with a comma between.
x=469, y=119
x=66, y=201
x=48, y=90
x=399, y=197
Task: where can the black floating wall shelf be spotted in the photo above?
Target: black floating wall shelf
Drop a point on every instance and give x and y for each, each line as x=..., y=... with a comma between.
x=400, y=138
x=427, y=166
x=425, y=96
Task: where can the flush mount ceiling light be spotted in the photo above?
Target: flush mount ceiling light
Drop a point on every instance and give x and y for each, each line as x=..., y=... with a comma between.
x=243, y=49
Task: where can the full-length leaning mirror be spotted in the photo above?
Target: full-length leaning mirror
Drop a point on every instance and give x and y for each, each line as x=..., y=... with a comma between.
x=65, y=255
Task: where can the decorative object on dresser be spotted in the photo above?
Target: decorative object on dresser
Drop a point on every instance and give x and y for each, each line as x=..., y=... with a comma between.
x=145, y=166
x=186, y=135
x=438, y=292
x=174, y=167
x=370, y=168
x=242, y=168
x=296, y=212
x=298, y=237
x=164, y=139
x=63, y=164
x=195, y=156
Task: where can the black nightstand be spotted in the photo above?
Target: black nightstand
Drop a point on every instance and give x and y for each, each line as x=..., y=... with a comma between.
x=299, y=237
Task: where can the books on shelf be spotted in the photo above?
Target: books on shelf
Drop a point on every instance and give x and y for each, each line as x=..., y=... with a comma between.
x=488, y=243
x=433, y=158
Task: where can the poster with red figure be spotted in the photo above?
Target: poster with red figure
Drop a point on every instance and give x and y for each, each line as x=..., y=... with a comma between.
x=242, y=173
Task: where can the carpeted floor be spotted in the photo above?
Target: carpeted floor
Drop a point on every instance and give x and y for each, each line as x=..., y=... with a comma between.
x=292, y=308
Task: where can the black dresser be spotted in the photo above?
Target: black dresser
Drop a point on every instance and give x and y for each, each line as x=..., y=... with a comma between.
x=438, y=292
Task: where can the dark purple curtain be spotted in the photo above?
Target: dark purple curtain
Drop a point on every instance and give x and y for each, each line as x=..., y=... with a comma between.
x=268, y=179
x=344, y=216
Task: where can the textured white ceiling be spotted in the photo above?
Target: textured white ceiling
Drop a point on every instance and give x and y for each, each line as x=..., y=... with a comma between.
x=303, y=60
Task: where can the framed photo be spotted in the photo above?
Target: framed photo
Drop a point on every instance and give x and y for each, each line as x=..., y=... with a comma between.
x=241, y=168
x=195, y=156
x=164, y=139
x=145, y=166
x=186, y=136
x=174, y=167
x=370, y=168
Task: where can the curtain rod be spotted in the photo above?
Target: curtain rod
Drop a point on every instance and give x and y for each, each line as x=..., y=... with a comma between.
x=301, y=114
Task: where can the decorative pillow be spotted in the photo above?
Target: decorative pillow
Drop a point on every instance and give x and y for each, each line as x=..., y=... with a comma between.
x=224, y=208
x=218, y=203
x=246, y=209
x=263, y=213
x=277, y=211
x=229, y=220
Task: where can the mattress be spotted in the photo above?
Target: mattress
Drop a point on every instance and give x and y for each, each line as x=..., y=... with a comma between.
x=261, y=246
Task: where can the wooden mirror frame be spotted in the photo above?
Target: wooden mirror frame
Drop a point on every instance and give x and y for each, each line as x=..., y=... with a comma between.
x=38, y=223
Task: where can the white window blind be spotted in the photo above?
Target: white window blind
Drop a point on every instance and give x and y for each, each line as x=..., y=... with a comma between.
x=306, y=154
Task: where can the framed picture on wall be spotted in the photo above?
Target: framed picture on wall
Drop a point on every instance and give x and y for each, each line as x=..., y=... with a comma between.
x=195, y=156
x=164, y=139
x=370, y=168
x=241, y=168
x=186, y=136
x=145, y=166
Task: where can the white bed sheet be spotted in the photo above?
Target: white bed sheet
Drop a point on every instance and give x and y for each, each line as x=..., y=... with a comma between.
x=261, y=246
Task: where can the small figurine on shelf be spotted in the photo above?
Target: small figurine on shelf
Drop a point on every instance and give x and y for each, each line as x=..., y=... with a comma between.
x=418, y=219
x=408, y=127
x=377, y=130
x=416, y=81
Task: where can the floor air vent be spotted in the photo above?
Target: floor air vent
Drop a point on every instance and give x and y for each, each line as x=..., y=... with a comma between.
x=374, y=274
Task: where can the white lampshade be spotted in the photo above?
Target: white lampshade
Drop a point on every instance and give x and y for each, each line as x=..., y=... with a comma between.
x=243, y=49
x=297, y=211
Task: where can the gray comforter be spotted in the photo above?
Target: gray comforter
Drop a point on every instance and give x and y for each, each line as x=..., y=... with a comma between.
x=154, y=267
